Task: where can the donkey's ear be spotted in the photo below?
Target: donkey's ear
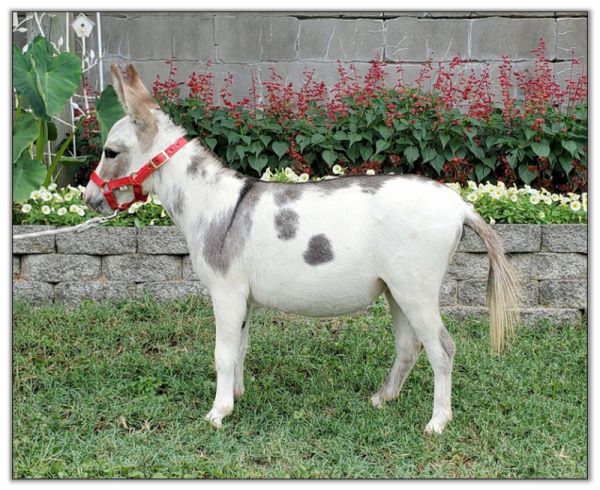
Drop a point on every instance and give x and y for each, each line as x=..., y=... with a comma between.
x=135, y=82
x=137, y=102
x=117, y=81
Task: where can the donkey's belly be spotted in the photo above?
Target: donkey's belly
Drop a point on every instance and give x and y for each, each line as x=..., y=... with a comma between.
x=318, y=300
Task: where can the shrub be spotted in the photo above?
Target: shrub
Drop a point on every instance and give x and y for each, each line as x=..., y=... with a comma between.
x=456, y=132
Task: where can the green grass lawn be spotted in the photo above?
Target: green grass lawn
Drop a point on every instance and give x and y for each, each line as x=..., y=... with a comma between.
x=104, y=391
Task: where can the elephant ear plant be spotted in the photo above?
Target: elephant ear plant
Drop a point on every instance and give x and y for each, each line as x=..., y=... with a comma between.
x=44, y=81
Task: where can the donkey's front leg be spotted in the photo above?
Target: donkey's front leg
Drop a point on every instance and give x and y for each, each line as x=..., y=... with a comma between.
x=230, y=311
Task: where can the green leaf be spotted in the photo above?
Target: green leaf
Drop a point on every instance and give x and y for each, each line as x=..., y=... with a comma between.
x=108, y=111
x=438, y=162
x=354, y=137
x=266, y=139
x=370, y=117
x=381, y=145
x=529, y=133
x=340, y=136
x=571, y=147
x=385, y=132
x=481, y=172
x=44, y=79
x=541, y=149
x=428, y=154
x=330, y=157
x=317, y=138
x=280, y=148
x=258, y=163
x=526, y=175
x=444, y=138
x=411, y=153
x=566, y=162
x=27, y=175
x=210, y=142
x=241, y=151
x=24, y=133
x=365, y=152
x=514, y=157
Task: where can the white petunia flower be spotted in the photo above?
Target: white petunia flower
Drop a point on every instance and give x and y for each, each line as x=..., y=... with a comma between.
x=68, y=197
x=61, y=211
x=337, y=169
x=52, y=187
x=496, y=193
x=46, y=209
x=472, y=185
x=370, y=172
x=555, y=197
x=35, y=195
x=303, y=177
x=26, y=208
x=45, y=195
x=492, y=221
x=547, y=200
x=542, y=215
x=58, y=197
x=267, y=175
x=514, y=197
x=73, y=208
x=472, y=197
x=80, y=212
x=575, y=206
x=163, y=214
x=534, y=199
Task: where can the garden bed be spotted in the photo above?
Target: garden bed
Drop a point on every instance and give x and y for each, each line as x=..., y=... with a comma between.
x=113, y=263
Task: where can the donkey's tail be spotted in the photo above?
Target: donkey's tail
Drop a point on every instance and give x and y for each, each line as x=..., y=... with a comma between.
x=503, y=285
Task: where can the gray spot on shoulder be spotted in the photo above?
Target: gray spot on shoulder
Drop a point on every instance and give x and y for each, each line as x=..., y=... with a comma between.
x=196, y=167
x=447, y=344
x=178, y=201
x=226, y=235
x=319, y=250
x=370, y=184
x=287, y=193
x=286, y=224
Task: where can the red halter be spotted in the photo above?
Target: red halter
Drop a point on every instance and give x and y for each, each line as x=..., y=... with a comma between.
x=135, y=179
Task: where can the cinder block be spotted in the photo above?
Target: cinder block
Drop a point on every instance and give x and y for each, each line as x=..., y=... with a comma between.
x=33, y=291
x=344, y=40
x=72, y=293
x=571, y=294
x=16, y=266
x=530, y=317
x=409, y=39
x=571, y=38
x=448, y=292
x=565, y=238
x=550, y=266
x=493, y=37
x=98, y=241
x=38, y=245
x=193, y=37
x=468, y=266
x=188, y=270
x=516, y=238
x=250, y=38
x=59, y=267
x=161, y=240
x=172, y=289
x=474, y=293
x=141, y=268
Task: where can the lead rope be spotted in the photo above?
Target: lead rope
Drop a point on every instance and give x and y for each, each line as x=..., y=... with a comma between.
x=90, y=223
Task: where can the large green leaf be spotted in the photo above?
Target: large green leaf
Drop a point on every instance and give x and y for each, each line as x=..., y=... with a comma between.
x=28, y=175
x=24, y=132
x=541, y=149
x=108, y=111
x=44, y=79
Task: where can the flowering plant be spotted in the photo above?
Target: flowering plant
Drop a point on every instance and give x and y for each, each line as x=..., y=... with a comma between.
x=455, y=132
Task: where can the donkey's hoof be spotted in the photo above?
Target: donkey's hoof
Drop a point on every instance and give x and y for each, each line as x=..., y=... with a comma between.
x=377, y=400
x=215, y=419
x=435, y=427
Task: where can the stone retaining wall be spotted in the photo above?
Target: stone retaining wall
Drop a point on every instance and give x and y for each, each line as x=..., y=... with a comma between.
x=114, y=262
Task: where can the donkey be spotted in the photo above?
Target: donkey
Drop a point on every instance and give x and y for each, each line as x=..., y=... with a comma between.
x=320, y=249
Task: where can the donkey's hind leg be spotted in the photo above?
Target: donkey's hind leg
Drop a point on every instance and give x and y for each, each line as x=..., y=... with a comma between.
x=424, y=316
x=408, y=348
x=238, y=381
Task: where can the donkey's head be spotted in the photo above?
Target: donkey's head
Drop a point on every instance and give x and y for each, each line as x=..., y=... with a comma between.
x=144, y=132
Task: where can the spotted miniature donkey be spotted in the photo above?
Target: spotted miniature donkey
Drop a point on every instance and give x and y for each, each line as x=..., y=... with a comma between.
x=319, y=249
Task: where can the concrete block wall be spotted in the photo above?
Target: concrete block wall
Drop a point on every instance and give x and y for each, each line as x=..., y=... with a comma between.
x=246, y=43
x=116, y=263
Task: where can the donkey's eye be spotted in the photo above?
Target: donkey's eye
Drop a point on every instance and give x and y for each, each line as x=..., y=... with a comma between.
x=108, y=153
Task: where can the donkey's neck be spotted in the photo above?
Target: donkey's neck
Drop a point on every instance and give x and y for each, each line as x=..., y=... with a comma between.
x=195, y=186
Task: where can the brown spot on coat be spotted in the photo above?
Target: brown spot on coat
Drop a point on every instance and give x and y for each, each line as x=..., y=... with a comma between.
x=319, y=250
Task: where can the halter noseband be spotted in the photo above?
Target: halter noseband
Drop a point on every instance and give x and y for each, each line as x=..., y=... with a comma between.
x=135, y=179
